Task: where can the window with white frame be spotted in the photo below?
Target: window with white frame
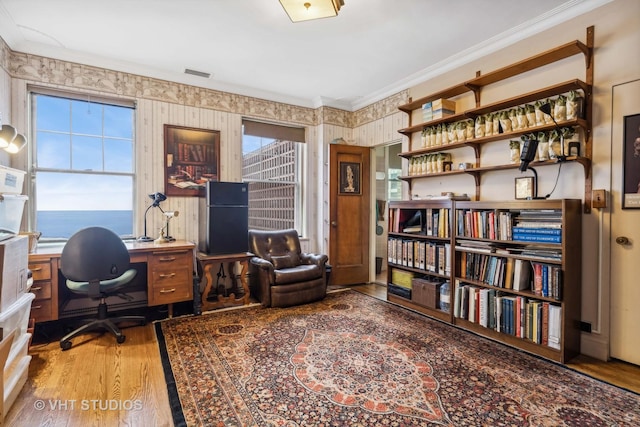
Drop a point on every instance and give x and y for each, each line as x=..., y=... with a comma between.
x=271, y=166
x=83, y=163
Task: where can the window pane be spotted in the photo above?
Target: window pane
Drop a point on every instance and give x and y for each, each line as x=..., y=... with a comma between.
x=53, y=113
x=68, y=202
x=86, y=153
x=118, y=155
x=271, y=206
x=86, y=118
x=82, y=178
x=53, y=150
x=118, y=122
x=270, y=167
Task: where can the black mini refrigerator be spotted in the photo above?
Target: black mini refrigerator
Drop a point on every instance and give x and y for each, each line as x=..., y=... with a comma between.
x=224, y=218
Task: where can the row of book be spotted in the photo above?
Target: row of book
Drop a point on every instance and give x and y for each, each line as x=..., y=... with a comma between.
x=429, y=256
x=540, y=226
x=511, y=273
x=535, y=320
x=186, y=152
x=484, y=224
x=429, y=222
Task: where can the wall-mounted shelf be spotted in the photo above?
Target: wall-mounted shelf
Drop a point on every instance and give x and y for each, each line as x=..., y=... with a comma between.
x=476, y=84
x=508, y=103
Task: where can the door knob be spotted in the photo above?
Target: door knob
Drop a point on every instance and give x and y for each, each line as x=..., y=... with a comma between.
x=334, y=224
x=622, y=240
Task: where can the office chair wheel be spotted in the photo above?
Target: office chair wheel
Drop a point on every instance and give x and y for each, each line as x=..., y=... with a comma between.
x=65, y=345
x=120, y=339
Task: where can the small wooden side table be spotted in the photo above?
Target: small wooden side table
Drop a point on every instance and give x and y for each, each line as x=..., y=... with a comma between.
x=207, y=262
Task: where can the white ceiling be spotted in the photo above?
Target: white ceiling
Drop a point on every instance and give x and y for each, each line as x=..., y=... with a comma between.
x=372, y=49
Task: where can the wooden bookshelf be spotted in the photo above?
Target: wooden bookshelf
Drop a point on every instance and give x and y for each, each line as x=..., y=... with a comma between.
x=421, y=254
x=486, y=250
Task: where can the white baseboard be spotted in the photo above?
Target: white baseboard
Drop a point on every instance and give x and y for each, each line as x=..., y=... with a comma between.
x=595, y=346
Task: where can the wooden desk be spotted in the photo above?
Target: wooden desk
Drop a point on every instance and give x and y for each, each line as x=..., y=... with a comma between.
x=238, y=296
x=170, y=268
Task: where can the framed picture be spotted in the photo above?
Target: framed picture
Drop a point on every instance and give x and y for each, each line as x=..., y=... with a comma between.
x=524, y=188
x=192, y=157
x=349, y=178
x=631, y=170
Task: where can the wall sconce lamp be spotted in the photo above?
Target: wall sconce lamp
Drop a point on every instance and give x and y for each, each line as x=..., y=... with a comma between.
x=11, y=140
x=157, y=198
x=546, y=108
x=300, y=10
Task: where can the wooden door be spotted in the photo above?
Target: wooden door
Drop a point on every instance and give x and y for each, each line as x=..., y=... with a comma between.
x=349, y=213
x=625, y=224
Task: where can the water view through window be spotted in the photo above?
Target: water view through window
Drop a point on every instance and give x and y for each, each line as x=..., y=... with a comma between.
x=84, y=166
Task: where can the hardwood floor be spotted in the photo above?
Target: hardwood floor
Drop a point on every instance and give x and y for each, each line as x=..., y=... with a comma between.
x=125, y=383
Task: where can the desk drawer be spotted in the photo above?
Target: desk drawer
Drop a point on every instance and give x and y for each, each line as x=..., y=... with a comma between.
x=170, y=294
x=169, y=277
x=42, y=310
x=40, y=270
x=42, y=290
x=164, y=260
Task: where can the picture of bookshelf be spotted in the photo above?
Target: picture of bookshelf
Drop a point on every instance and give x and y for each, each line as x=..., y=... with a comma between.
x=509, y=271
x=192, y=157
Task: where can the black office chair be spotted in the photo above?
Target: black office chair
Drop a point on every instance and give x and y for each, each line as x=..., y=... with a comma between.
x=96, y=263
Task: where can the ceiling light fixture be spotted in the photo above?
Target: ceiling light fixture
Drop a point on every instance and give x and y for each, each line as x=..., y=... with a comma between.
x=299, y=10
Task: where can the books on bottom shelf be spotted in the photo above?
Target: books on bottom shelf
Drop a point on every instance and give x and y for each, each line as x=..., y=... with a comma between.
x=519, y=316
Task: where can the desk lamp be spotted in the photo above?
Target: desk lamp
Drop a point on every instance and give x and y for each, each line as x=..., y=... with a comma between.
x=157, y=198
x=546, y=108
x=168, y=215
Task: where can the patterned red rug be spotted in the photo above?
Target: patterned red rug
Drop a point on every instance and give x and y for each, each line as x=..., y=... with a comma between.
x=353, y=360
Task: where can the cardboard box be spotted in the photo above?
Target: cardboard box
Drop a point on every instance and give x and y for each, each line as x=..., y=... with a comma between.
x=11, y=180
x=441, y=114
x=426, y=293
x=14, y=257
x=444, y=105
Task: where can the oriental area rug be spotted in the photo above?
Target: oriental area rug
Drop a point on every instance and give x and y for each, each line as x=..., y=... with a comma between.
x=354, y=360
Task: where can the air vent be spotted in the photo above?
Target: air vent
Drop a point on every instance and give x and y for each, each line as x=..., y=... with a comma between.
x=197, y=73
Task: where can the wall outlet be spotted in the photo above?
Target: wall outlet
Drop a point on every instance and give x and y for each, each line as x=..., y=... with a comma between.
x=599, y=199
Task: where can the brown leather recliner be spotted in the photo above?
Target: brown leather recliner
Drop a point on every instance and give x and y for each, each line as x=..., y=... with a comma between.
x=280, y=274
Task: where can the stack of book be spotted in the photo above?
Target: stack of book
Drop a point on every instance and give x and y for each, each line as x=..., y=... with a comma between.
x=539, y=226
